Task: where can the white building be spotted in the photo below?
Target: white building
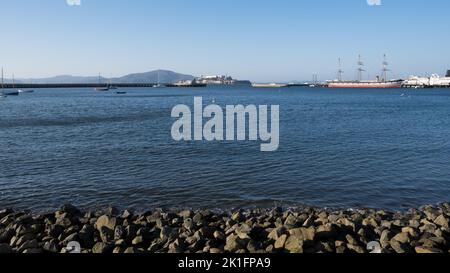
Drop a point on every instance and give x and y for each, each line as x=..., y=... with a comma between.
x=433, y=81
x=437, y=81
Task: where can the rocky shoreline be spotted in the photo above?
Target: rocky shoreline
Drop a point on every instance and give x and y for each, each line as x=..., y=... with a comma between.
x=302, y=230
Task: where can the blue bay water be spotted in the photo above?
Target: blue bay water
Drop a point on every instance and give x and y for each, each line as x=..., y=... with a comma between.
x=338, y=148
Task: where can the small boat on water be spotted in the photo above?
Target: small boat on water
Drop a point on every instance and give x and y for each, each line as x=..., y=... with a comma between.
x=121, y=93
x=159, y=85
x=21, y=91
x=101, y=88
x=11, y=93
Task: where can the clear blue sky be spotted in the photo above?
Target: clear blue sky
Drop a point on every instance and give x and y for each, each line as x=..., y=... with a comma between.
x=260, y=40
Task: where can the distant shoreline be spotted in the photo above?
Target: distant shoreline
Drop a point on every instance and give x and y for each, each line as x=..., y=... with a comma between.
x=301, y=230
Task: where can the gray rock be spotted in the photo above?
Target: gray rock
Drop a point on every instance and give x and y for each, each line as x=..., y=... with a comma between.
x=188, y=224
x=427, y=250
x=291, y=221
x=197, y=218
x=294, y=244
x=402, y=238
x=277, y=233
x=234, y=243
x=127, y=214
x=219, y=235
x=326, y=232
x=442, y=221
x=398, y=247
x=215, y=251
x=237, y=216
x=280, y=242
x=303, y=234
x=106, y=221
x=185, y=214
x=351, y=240
x=138, y=240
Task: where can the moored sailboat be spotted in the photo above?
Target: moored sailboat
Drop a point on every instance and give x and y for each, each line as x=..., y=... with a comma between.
x=379, y=83
x=100, y=88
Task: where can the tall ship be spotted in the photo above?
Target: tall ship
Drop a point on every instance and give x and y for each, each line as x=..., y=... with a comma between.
x=378, y=83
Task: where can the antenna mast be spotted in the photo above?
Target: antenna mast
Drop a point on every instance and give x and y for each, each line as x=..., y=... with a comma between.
x=385, y=68
x=360, y=68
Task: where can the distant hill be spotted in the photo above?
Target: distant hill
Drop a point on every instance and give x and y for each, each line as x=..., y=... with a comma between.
x=165, y=76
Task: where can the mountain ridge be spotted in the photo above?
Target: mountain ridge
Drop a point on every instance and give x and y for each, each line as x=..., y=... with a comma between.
x=165, y=77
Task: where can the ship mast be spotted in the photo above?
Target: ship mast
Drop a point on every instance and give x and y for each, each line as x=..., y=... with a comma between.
x=2, y=79
x=360, y=68
x=340, y=71
x=385, y=68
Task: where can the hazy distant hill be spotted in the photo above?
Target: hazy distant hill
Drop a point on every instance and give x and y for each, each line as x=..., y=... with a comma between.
x=165, y=76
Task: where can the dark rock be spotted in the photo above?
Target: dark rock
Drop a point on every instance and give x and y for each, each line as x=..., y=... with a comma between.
x=132, y=250
x=127, y=214
x=119, y=233
x=106, y=234
x=326, y=232
x=33, y=244
x=356, y=248
x=5, y=249
x=112, y=211
x=86, y=236
x=6, y=235
x=32, y=251
x=52, y=246
x=71, y=210
x=5, y=212
x=102, y=248
x=254, y=246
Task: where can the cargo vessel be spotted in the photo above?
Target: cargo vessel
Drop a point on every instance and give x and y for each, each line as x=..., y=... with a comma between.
x=378, y=83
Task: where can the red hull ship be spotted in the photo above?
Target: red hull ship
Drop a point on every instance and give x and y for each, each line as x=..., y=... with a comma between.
x=366, y=84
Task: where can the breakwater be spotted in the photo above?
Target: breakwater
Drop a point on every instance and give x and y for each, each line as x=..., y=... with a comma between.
x=301, y=230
